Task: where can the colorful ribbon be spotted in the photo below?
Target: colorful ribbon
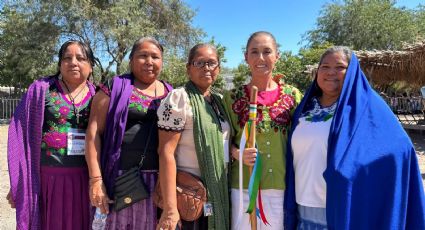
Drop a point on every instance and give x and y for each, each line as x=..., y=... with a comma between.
x=254, y=181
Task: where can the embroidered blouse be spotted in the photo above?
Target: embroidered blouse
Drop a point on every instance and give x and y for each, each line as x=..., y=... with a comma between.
x=310, y=150
x=175, y=114
x=59, y=118
x=274, y=109
x=140, y=131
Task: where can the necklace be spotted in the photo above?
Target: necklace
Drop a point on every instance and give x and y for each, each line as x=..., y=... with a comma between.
x=76, y=109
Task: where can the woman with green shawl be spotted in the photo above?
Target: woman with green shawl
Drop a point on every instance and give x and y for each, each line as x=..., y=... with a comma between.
x=194, y=133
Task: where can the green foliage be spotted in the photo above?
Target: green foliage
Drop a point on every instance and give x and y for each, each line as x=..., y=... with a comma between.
x=290, y=66
x=420, y=20
x=27, y=45
x=241, y=74
x=366, y=24
x=174, y=69
x=32, y=30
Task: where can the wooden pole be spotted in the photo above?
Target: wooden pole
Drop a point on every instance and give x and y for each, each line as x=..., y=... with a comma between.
x=251, y=144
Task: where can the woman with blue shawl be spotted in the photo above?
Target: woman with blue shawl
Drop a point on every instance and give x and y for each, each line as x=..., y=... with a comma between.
x=352, y=165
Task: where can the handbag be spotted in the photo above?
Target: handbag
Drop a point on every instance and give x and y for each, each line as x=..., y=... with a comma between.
x=129, y=187
x=191, y=196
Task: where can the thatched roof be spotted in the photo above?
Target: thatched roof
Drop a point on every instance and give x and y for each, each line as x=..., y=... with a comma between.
x=385, y=67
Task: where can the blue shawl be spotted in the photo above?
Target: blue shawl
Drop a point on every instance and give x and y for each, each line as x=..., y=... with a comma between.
x=372, y=176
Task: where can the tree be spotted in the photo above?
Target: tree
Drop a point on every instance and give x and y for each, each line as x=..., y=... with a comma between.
x=32, y=31
x=366, y=24
x=241, y=74
x=28, y=45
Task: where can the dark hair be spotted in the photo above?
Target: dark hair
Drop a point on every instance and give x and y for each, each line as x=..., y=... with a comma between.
x=337, y=49
x=141, y=41
x=258, y=33
x=84, y=47
x=194, y=51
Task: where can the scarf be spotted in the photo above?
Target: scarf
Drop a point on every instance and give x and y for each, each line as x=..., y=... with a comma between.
x=208, y=139
x=372, y=176
x=116, y=120
x=23, y=153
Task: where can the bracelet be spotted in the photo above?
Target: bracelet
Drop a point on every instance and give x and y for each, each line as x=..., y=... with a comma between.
x=95, y=177
x=92, y=181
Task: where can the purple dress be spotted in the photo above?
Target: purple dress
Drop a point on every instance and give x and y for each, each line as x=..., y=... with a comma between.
x=45, y=196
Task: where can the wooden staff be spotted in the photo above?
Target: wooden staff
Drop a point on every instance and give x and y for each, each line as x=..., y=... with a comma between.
x=251, y=144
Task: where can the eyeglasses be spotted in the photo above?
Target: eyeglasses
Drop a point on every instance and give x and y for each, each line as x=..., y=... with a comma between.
x=200, y=64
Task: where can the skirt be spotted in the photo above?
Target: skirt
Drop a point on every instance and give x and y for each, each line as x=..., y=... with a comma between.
x=141, y=215
x=310, y=218
x=272, y=200
x=64, y=198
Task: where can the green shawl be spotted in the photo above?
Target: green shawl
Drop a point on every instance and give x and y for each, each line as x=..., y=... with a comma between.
x=208, y=139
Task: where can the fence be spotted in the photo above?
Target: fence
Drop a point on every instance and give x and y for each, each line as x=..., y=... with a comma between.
x=410, y=111
x=7, y=107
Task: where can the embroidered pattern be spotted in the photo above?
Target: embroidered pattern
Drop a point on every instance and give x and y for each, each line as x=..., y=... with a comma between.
x=317, y=113
x=140, y=101
x=54, y=140
x=167, y=112
x=275, y=116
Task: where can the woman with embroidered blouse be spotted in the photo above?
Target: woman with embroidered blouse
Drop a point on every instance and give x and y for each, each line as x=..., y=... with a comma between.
x=351, y=165
x=193, y=132
x=48, y=172
x=121, y=129
x=276, y=102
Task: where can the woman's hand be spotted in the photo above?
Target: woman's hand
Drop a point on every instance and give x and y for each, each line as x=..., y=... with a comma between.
x=248, y=157
x=169, y=220
x=98, y=196
x=10, y=199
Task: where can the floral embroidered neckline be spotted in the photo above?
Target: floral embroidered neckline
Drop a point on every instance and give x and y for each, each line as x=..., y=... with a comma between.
x=275, y=116
x=55, y=139
x=319, y=113
x=142, y=102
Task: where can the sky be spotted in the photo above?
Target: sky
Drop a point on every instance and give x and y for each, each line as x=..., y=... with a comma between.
x=231, y=22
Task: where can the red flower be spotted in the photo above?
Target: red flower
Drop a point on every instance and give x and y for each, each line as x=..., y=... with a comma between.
x=61, y=120
x=240, y=105
x=55, y=140
x=57, y=102
x=64, y=110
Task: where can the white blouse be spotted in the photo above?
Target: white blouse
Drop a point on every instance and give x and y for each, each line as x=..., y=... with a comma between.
x=310, y=146
x=175, y=114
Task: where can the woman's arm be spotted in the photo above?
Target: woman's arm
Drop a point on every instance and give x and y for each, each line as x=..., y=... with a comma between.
x=95, y=128
x=167, y=175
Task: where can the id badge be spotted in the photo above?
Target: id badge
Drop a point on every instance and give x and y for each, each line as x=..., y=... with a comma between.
x=76, y=142
x=208, y=209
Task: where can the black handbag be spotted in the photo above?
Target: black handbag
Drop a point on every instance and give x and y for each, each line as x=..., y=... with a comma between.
x=129, y=187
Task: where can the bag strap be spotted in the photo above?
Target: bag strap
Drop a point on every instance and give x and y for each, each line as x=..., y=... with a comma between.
x=146, y=146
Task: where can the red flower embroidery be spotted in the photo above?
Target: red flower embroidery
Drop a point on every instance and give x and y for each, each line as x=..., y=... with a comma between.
x=279, y=112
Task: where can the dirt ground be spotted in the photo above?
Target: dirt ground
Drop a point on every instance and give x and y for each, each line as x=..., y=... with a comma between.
x=7, y=215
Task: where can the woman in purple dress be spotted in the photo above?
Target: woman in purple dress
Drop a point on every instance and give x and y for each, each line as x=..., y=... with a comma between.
x=48, y=172
x=122, y=127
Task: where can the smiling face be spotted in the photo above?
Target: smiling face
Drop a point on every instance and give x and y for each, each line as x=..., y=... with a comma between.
x=74, y=65
x=203, y=77
x=261, y=55
x=146, y=62
x=331, y=74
